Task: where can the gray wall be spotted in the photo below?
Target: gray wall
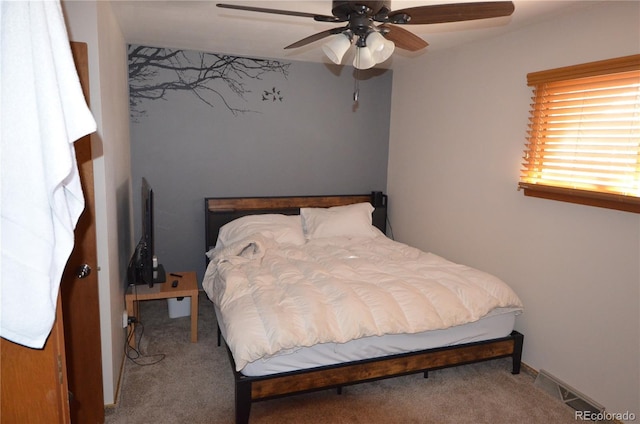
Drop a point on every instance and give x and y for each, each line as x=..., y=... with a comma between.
x=314, y=141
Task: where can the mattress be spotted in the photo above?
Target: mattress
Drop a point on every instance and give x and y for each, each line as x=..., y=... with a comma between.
x=498, y=323
x=276, y=298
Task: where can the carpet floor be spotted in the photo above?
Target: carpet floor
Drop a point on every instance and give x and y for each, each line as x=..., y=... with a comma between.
x=175, y=381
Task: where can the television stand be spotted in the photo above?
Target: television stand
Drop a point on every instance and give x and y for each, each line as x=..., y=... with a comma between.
x=187, y=287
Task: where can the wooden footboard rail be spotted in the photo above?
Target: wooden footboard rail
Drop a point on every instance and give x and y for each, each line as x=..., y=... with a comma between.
x=253, y=389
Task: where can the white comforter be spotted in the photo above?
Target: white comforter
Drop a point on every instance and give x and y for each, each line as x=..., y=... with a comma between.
x=276, y=298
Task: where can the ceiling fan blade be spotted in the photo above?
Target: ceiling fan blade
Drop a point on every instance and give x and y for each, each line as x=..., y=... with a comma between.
x=314, y=37
x=455, y=12
x=321, y=18
x=403, y=39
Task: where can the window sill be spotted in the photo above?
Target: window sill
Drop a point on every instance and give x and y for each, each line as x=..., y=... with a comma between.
x=582, y=197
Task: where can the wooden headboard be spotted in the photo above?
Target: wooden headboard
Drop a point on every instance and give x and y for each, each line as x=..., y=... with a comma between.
x=221, y=210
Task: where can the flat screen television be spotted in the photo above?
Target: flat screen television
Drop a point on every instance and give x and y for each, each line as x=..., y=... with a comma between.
x=143, y=267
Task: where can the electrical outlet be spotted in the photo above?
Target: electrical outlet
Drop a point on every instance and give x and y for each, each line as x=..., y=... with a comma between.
x=125, y=319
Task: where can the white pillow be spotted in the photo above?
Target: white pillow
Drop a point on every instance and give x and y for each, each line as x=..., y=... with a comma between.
x=281, y=228
x=339, y=221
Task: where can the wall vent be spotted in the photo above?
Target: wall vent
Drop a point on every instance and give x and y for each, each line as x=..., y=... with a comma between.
x=566, y=393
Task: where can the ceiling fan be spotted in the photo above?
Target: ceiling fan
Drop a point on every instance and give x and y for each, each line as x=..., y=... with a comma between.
x=375, y=28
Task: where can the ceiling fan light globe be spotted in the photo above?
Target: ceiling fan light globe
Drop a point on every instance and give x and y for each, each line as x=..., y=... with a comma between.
x=381, y=48
x=336, y=47
x=386, y=53
x=364, y=58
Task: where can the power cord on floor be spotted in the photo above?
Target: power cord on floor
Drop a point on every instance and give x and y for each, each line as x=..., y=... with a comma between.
x=133, y=354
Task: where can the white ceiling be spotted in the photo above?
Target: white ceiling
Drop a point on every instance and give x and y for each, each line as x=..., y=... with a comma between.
x=200, y=25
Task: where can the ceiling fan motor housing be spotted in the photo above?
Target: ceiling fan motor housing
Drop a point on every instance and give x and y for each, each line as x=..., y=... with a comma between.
x=344, y=9
x=360, y=16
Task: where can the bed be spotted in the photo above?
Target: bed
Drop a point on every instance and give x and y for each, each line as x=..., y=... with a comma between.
x=300, y=357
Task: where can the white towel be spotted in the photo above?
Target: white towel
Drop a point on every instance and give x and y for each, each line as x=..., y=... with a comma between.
x=43, y=112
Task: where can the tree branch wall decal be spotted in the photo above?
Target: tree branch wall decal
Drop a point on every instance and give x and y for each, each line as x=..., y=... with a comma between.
x=202, y=74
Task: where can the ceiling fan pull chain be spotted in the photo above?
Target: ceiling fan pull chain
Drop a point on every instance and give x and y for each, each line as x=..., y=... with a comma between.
x=356, y=85
x=356, y=92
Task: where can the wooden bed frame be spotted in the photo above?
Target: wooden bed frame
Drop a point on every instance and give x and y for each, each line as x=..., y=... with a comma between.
x=219, y=211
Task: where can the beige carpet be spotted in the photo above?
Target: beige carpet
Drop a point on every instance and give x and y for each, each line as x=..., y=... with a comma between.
x=194, y=384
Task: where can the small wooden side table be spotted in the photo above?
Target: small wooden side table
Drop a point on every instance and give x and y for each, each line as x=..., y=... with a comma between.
x=187, y=287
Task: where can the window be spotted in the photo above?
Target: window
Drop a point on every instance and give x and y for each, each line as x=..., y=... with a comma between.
x=584, y=135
